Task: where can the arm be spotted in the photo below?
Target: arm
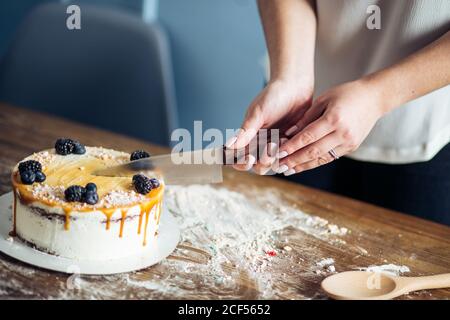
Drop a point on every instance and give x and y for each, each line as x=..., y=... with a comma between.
x=290, y=31
x=346, y=114
x=418, y=74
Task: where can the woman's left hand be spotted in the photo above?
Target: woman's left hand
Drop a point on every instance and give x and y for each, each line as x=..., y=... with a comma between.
x=339, y=120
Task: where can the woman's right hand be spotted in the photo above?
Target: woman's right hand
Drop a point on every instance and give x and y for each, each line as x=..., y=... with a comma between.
x=279, y=105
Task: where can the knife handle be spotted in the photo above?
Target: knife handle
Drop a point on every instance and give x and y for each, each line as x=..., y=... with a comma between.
x=255, y=147
x=232, y=156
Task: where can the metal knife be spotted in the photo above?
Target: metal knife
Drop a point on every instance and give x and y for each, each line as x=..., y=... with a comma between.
x=188, y=167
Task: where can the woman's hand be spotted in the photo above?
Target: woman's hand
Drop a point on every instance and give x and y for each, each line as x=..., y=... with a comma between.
x=340, y=119
x=290, y=32
x=279, y=106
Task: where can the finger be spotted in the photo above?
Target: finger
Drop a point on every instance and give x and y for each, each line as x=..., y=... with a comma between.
x=268, y=154
x=322, y=160
x=261, y=169
x=263, y=166
x=310, y=134
x=252, y=123
x=232, y=140
x=312, y=151
x=275, y=164
x=247, y=165
x=312, y=114
x=283, y=140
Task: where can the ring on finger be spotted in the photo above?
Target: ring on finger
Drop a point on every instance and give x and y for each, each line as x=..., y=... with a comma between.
x=333, y=154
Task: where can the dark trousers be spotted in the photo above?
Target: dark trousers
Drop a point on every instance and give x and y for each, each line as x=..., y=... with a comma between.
x=421, y=189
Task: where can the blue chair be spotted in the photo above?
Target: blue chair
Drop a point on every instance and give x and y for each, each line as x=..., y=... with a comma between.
x=115, y=72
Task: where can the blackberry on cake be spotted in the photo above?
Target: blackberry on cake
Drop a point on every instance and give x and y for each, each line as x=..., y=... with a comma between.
x=91, y=197
x=39, y=176
x=91, y=187
x=78, y=148
x=142, y=184
x=155, y=183
x=30, y=165
x=64, y=146
x=27, y=177
x=75, y=193
x=139, y=154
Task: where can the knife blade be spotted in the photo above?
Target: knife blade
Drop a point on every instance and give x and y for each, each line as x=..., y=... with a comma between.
x=191, y=167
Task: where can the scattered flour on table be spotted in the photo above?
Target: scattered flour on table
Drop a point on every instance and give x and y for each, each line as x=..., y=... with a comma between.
x=228, y=239
x=237, y=232
x=233, y=236
x=390, y=269
x=325, y=265
x=325, y=262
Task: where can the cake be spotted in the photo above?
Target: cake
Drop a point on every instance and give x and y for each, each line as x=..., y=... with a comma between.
x=61, y=208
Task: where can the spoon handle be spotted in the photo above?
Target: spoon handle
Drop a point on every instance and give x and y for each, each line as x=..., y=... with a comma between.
x=429, y=282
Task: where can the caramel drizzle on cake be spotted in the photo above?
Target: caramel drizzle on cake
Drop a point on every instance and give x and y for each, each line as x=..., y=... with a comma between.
x=122, y=222
x=155, y=199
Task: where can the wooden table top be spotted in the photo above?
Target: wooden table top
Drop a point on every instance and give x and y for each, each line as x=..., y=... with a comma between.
x=289, y=270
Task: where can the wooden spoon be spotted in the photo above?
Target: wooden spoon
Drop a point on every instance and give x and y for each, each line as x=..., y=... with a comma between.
x=363, y=285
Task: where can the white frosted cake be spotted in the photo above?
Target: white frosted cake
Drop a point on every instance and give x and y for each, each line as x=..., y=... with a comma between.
x=62, y=209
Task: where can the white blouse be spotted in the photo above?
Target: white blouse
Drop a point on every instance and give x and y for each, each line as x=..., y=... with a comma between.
x=347, y=49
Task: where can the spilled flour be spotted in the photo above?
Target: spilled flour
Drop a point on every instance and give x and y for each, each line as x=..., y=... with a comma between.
x=325, y=265
x=249, y=245
x=389, y=269
x=235, y=235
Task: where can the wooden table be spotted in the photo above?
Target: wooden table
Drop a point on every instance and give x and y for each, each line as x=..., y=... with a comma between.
x=376, y=236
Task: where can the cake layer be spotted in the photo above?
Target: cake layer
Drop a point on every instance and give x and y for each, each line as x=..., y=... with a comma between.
x=91, y=236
